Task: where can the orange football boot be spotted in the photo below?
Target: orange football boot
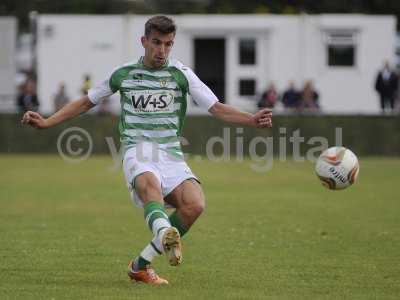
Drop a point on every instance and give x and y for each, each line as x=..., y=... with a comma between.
x=147, y=275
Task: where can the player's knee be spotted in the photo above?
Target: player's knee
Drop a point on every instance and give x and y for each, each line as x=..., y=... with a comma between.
x=200, y=207
x=148, y=189
x=197, y=208
x=152, y=193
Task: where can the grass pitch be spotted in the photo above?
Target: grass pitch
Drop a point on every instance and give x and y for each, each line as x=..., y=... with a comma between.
x=67, y=231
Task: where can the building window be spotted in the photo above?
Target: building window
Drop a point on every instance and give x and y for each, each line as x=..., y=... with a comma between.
x=341, y=55
x=341, y=49
x=247, y=87
x=247, y=51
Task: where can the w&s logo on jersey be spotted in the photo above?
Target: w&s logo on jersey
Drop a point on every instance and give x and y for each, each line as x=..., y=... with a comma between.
x=151, y=101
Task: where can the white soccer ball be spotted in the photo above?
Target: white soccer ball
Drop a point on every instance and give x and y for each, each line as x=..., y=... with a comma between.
x=337, y=168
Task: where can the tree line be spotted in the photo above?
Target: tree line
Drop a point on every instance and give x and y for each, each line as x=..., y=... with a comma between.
x=21, y=8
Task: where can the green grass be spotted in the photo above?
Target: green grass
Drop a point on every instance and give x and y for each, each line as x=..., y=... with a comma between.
x=67, y=231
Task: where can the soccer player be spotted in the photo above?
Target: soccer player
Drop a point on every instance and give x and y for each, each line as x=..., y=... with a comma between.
x=153, y=94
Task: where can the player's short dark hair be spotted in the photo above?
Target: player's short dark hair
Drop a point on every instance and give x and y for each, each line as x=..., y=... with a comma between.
x=161, y=24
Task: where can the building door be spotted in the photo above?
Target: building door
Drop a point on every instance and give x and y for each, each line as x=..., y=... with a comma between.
x=209, y=64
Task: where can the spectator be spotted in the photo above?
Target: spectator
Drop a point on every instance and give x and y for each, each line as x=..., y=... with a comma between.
x=86, y=85
x=386, y=85
x=28, y=100
x=60, y=98
x=291, y=97
x=309, y=98
x=269, y=97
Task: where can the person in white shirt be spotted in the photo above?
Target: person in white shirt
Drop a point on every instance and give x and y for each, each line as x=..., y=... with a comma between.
x=154, y=92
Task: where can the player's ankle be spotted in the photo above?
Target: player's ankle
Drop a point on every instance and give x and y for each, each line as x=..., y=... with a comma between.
x=139, y=264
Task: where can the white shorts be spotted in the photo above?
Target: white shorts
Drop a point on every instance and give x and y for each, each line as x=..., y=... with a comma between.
x=168, y=169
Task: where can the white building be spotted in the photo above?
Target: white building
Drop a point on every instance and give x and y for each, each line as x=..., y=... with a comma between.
x=8, y=88
x=238, y=55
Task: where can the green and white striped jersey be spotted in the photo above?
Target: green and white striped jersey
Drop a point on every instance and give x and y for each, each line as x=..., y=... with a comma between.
x=153, y=102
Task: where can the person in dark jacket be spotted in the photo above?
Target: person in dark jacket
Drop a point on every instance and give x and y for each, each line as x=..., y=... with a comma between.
x=291, y=97
x=28, y=99
x=386, y=85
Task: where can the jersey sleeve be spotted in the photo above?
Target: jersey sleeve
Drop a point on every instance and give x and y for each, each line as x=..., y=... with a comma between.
x=103, y=90
x=200, y=92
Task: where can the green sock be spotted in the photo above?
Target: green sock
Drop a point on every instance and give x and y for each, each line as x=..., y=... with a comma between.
x=156, y=217
x=177, y=223
x=140, y=264
x=157, y=220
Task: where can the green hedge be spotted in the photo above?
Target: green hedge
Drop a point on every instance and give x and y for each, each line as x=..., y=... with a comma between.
x=365, y=135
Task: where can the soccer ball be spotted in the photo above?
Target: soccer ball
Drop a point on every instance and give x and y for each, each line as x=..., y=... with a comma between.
x=337, y=168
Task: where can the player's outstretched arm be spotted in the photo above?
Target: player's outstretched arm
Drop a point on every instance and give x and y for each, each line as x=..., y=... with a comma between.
x=230, y=114
x=69, y=111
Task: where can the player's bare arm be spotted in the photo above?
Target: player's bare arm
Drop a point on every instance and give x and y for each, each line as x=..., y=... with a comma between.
x=230, y=114
x=69, y=111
